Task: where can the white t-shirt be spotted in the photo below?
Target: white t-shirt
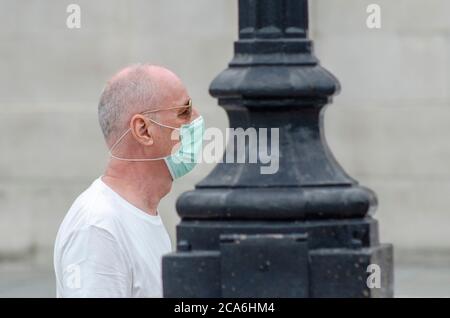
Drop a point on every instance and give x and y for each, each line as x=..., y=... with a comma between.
x=106, y=247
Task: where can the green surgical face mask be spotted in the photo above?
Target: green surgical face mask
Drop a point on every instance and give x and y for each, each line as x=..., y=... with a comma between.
x=186, y=157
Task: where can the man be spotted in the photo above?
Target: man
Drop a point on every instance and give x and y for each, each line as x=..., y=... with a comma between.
x=111, y=241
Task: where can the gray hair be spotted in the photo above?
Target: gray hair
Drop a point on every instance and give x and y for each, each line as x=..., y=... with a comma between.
x=131, y=91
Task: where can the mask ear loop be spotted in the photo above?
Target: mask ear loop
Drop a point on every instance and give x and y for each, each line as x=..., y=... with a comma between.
x=137, y=159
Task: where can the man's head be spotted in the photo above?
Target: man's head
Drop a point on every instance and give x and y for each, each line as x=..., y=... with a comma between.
x=127, y=102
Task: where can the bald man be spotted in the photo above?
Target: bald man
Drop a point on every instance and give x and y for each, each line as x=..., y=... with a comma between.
x=111, y=242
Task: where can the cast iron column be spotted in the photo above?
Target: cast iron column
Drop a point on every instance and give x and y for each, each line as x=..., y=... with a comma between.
x=305, y=231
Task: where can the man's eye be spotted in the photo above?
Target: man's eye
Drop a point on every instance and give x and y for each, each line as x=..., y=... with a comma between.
x=186, y=112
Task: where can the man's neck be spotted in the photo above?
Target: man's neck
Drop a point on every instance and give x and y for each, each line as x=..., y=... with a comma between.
x=143, y=184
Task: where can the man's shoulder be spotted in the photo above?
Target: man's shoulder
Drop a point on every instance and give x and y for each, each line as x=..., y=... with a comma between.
x=92, y=207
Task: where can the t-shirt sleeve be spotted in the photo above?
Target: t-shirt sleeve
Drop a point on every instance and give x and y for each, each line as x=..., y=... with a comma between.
x=94, y=265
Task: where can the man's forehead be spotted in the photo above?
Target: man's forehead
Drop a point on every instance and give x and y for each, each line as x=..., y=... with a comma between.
x=183, y=100
x=175, y=107
x=173, y=92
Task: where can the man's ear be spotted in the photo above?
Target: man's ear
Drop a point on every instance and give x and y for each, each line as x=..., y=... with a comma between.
x=139, y=126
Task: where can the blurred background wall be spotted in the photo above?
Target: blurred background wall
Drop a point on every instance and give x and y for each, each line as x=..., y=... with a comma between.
x=389, y=128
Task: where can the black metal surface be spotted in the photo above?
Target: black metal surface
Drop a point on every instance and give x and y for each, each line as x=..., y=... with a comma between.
x=254, y=265
x=275, y=81
x=205, y=235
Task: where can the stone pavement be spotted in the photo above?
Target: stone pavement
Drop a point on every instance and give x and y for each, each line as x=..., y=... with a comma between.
x=421, y=276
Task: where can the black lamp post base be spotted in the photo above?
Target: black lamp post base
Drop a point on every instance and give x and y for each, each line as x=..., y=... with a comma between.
x=302, y=231
x=279, y=259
